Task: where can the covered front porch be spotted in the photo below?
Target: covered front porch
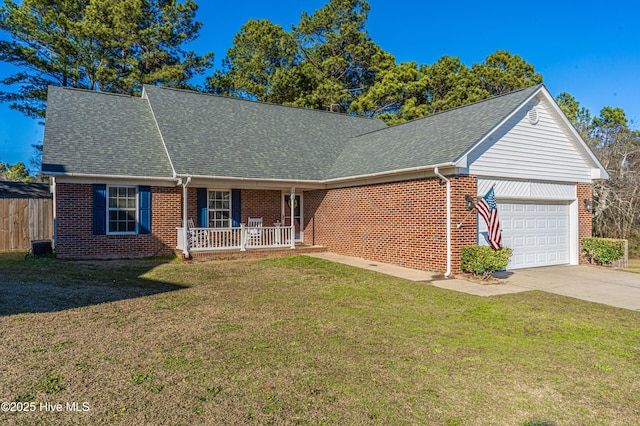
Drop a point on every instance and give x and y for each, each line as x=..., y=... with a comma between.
x=225, y=220
x=236, y=238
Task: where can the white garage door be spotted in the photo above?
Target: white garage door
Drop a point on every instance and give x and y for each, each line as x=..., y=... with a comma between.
x=538, y=232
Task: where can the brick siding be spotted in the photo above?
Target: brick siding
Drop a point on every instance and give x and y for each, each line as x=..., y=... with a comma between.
x=74, y=222
x=585, y=217
x=254, y=203
x=402, y=223
x=74, y=226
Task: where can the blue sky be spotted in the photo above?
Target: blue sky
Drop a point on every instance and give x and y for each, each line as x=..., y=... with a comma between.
x=589, y=49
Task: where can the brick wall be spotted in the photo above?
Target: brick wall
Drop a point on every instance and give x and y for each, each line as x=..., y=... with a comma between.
x=262, y=203
x=74, y=226
x=401, y=223
x=585, y=217
x=254, y=203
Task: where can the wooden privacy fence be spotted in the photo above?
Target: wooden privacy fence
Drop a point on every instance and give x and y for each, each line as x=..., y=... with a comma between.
x=23, y=220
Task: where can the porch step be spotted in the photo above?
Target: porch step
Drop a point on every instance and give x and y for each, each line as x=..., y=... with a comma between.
x=254, y=253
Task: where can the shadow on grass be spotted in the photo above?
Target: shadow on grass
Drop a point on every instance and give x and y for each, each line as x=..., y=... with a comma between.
x=31, y=285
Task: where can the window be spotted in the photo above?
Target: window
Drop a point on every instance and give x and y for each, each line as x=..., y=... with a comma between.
x=219, y=209
x=122, y=205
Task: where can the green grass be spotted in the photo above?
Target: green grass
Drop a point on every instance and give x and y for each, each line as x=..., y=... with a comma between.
x=299, y=340
x=634, y=266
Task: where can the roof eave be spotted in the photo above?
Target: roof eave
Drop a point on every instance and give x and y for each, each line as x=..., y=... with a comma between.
x=391, y=175
x=464, y=155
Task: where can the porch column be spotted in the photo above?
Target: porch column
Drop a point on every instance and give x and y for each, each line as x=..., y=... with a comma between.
x=292, y=201
x=185, y=230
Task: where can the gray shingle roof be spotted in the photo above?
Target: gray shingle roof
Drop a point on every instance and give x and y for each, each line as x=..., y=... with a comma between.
x=431, y=140
x=207, y=135
x=216, y=136
x=101, y=134
x=24, y=190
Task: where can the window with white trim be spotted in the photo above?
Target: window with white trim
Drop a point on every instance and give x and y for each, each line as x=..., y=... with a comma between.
x=122, y=209
x=219, y=206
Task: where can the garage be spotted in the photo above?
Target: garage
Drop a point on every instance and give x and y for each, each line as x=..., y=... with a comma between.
x=538, y=221
x=538, y=233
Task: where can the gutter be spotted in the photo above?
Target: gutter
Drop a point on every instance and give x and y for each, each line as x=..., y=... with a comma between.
x=185, y=232
x=389, y=173
x=102, y=177
x=437, y=173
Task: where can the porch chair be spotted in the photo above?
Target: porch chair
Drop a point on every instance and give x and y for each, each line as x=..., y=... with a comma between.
x=254, y=231
x=198, y=239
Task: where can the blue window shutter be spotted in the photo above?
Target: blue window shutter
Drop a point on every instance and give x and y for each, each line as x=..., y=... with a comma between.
x=203, y=215
x=99, y=209
x=236, y=208
x=144, y=209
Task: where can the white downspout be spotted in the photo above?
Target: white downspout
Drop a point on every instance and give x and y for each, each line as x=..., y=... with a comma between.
x=437, y=173
x=52, y=188
x=185, y=230
x=292, y=201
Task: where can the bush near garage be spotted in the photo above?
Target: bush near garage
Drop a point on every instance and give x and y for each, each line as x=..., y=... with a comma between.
x=603, y=251
x=483, y=261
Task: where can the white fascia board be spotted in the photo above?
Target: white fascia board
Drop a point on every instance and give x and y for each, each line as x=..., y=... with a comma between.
x=462, y=162
x=392, y=175
x=499, y=125
x=256, y=183
x=603, y=174
x=121, y=180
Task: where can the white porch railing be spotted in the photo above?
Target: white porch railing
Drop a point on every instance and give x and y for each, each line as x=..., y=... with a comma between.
x=242, y=238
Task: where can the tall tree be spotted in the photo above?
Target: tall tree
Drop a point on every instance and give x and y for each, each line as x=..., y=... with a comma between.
x=396, y=95
x=260, y=51
x=96, y=44
x=17, y=172
x=450, y=84
x=502, y=72
x=579, y=116
x=340, y=59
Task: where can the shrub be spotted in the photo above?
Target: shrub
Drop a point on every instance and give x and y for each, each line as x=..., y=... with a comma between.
x=483, y=261
x=603, y=250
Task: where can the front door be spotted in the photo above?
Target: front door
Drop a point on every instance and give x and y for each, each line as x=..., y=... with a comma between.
x=297, y=213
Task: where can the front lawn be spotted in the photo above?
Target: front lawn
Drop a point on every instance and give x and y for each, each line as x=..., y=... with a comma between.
x=634, y=266
x=299, y=340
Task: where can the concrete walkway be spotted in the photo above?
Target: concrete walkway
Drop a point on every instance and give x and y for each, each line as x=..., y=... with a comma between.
x=384, y=268
x=591, y=283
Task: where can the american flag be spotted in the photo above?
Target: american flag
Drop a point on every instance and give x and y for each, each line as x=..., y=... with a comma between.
x=487, y=207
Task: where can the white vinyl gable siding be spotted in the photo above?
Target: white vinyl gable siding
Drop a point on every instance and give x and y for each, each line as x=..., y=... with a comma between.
x=541, y=151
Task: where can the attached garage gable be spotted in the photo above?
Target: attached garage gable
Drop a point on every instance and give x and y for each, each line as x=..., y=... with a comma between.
x=535, y=160
x=534, y=143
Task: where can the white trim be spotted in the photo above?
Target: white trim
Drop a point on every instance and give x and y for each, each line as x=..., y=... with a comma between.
x=285, y=208
x=496, y=127
x=603, y=172
x=137, y=210
x=230, y=224
x=390, y=173
x=537, y=192
x=117, y=180
x=574, y=232
x=524, y=189
x=542, y=91
x=259, y=183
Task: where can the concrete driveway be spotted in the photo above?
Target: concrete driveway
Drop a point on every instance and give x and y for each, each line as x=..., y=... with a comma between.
x=591, y=283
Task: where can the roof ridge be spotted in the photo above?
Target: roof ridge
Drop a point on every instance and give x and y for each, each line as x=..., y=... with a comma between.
x=96, y=92
x=492, y=98
x=313, y=110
